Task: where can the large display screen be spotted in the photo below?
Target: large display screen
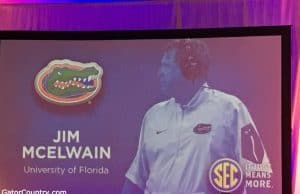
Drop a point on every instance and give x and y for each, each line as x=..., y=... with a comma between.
x=154, y=112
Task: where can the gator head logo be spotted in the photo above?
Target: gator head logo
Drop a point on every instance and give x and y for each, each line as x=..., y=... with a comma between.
x=67, y=82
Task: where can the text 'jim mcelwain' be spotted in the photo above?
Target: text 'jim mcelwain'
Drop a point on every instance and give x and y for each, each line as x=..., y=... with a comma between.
x=66, y=152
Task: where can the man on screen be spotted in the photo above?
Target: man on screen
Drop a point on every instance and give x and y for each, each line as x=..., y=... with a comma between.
x=182, y=137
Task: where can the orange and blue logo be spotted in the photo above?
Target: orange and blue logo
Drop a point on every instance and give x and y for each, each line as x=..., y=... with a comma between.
x=66, y=82
x=225, y=175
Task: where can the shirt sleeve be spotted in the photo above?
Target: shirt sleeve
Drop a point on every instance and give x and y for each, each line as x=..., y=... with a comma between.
x=138, y=170
x=253, y=155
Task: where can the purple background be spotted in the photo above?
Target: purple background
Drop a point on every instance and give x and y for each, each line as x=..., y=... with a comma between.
x=247, y=67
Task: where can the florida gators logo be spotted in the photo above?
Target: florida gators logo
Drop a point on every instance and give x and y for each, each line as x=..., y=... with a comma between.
x=66, y=82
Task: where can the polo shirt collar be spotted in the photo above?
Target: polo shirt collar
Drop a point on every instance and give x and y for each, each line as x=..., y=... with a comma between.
x=197, y=99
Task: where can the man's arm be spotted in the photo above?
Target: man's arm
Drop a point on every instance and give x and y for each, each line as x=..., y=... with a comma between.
x=130, y=188
x=137, y=174
x=252, y=148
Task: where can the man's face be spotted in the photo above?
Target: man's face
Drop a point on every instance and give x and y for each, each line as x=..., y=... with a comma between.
x=169, y=72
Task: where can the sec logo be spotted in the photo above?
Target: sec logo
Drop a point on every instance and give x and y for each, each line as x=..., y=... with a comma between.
x=225, y=175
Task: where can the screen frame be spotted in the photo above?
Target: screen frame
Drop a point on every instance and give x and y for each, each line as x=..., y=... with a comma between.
x=283, y=31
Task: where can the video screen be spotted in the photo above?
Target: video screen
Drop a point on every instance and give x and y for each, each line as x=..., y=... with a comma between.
x=154, y=116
